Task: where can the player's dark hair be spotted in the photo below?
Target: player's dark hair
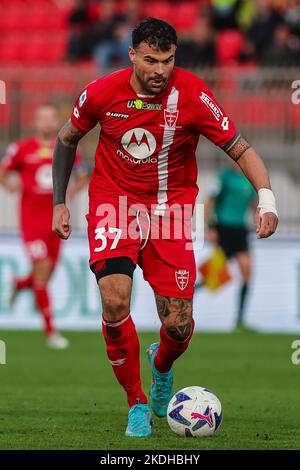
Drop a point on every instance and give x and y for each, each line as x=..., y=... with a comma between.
x=156, y=33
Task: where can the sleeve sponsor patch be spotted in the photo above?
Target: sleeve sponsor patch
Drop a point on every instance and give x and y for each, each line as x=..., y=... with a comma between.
x=212, y=106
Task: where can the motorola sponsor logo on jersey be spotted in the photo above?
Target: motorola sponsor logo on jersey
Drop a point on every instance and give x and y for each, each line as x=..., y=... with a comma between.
x=139, y=104
x=140, y=144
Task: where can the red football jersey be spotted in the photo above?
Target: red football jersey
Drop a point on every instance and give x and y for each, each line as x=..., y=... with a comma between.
x=33, y=161
x=147, y=144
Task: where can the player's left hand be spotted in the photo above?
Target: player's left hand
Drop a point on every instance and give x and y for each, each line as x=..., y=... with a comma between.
x=266, y=224
x=61, y=221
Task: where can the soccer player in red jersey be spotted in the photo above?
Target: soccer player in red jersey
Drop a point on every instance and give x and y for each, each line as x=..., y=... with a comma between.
x=31, y=158
x=151, y=117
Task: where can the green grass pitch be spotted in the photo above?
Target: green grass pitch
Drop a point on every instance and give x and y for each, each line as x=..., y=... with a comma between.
x=71, y=400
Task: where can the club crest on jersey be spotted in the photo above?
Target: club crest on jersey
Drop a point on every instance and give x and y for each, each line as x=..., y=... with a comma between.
x=82, y=98
x=182, y=277
x=212, y=106
x=171, y=117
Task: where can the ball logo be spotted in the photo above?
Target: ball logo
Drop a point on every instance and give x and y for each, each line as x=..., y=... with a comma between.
x=139, y=143
x=204, y=418
x=44, y=177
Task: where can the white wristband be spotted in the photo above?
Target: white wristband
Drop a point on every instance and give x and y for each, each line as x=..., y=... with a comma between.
x=266, y=201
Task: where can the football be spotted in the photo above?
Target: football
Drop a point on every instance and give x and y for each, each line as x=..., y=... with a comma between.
x=194, y=412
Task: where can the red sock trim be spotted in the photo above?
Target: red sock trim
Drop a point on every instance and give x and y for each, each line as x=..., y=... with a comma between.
x=115, y=324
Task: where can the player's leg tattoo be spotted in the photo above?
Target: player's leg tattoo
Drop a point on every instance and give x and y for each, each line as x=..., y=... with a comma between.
x=176, y=316
x=237, y=147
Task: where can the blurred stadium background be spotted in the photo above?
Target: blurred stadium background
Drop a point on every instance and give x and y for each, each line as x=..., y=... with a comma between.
x=247, y=51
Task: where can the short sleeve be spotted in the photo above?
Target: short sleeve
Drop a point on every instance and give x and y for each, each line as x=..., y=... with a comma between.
x=12, y=158
x=210, y=119
x=83, y=115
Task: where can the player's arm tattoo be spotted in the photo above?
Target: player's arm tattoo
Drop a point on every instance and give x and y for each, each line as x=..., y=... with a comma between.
x=176, y=315
x=63, y=160
x=237, y=147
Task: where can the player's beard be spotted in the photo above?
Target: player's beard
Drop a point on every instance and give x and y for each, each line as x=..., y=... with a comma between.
x=156, y=87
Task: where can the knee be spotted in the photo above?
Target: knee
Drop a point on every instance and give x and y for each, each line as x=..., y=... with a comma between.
x=115, y=299
x=115, y=292
x=115, y=308
x=42, y=271
x=180, y=332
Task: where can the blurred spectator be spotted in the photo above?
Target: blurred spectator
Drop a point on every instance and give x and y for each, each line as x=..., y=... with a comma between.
x=283, y=50
x=225, y=13
x=292, y=15
x=112, y=33
x=261, y=32
x=81, y=19
x=246, y=14
x=198, y=50
x=102, y=30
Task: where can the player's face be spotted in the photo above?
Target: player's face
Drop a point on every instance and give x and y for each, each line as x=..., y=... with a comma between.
x=152, y=67
x=46, y=122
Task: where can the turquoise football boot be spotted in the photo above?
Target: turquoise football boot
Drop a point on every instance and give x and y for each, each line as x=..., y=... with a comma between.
x=139, y=421
x=161, y=390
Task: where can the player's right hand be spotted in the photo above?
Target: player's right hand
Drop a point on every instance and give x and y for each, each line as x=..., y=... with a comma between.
x=61, y=221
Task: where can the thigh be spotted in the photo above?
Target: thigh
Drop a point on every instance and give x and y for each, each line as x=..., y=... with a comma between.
x=36, y=247
x=42, y=246
x=112, y=233
x=168, y=264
